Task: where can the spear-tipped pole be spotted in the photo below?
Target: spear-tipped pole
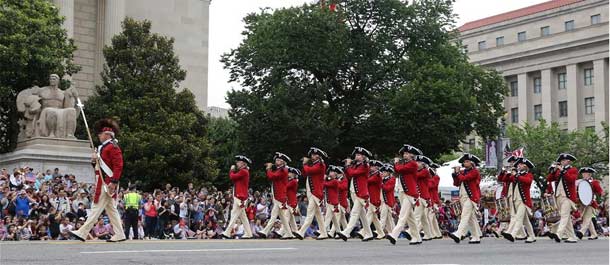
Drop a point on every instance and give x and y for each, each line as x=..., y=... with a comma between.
x=97, y=162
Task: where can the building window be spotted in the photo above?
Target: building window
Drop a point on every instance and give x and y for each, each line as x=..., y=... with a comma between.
x=466, y=48
x=514, y=115
x=595, y=19
x=514, y=89
x=545, y=31
x=482, y=45
x=589, y=105
x=521, y=36
x=588, y=76
x=562, y=80
x=499, y=41
x=537, y=112
x=537, y=85
x=563, y=109
x=569, y=25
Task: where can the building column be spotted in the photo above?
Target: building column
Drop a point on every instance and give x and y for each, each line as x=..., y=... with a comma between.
x=573, y=96
x=114, y=15
x=522, y=97
x=66, y=10
x=549, y=106
x=600, y=83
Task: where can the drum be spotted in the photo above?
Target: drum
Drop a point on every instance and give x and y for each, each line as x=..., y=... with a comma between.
x=585, y=192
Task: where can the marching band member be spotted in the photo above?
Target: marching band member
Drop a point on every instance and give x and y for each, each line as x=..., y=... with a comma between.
x=522, y=201
x=374, y=187
x=590, y=211
x=343, y=202
x=421, y=209
x=278, y=174
x=387, y=205
x=240, y=176
x=433, y=183
x=110, y=157
x=407, y=168
x=564, y=176
x=506, y=176
x=332, y=198
x=314, y=168
x=357, y=172
x=291, y=193
x=468, y=182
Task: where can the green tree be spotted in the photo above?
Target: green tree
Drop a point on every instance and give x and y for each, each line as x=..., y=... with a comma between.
x=375, y=73
x=543, y=143
x=33, y=45
x=163, y=133
x=222, y=133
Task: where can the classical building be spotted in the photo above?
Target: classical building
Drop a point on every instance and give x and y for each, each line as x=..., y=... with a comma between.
x=92, y=23
x=217, y=112
x=554, y=58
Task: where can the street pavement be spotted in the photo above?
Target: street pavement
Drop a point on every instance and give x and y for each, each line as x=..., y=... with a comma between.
x=445, y=251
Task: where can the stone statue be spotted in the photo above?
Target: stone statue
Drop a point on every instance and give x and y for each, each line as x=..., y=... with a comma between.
x=48, y=111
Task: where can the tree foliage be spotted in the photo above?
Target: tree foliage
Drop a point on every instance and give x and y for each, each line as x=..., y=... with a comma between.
x=222, y=133
x=33, y=45
x=375, y=73
x=163, y=133
x=544, y=142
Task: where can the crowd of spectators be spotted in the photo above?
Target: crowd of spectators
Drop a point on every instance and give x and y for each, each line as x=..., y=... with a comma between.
x=46, y=205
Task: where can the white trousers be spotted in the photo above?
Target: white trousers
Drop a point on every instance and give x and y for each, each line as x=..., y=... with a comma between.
x=237, y=212
x=421, y=217
x=434, y=227
x=313, y=210
x=386, y=220
x=276, y=212
x=468, y=220
x=358, y=213
x=371, y=216
x=331, y=217
x=522, y=220
x=587, y=223
x=564, y=227
x=406, y=217
x=105, y=202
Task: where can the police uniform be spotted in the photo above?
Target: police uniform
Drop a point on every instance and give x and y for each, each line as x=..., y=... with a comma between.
x=357, y=174
x=111, y=167
x=591, y=210
x=468, y=182
x=565, y=197
x=132, y=206
x=522, y=203
x=279, y=178
x=241, y=180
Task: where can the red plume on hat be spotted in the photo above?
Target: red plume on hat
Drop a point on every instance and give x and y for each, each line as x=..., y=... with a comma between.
x=106, y=125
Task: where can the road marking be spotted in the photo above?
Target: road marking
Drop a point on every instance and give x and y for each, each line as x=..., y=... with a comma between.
x=184, y=250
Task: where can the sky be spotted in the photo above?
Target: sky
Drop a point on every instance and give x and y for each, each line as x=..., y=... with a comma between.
x=226, y=26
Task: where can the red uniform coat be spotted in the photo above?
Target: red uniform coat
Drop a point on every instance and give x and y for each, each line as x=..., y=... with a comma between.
x=112, y=156
x=374, y=187
x=315, y=177
x=523, y=183
x=343, y=192
x=433, y=183
x=504, y=178
x=408, y=179
x=291, y=192
x=471, y=179
x=569, y=176
x=358, y=175
x=332, y=191
x=279, y=179
x=240, y=179
x=388, y=191
x=423, y=176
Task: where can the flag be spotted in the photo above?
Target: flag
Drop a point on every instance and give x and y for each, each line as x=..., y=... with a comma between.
x=515, y=153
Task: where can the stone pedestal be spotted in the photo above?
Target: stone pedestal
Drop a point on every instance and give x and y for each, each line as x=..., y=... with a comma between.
x=69, y=155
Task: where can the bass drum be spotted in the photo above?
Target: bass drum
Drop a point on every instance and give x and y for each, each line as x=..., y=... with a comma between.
x=585, y=192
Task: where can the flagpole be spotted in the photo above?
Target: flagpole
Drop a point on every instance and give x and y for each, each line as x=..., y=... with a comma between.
x=98, y=171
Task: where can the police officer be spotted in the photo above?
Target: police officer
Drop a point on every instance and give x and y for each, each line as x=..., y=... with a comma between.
x=132, y=206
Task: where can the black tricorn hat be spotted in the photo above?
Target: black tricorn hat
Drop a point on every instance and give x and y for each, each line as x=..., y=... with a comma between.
x=565, y=156
x=106, y=125
x=411, y=149
x=243, y=158
x=362, y=151
x=470, y=157
x=587, y=170
x=525, y=161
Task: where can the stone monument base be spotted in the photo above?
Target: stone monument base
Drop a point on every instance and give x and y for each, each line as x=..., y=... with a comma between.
x=71, y=156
